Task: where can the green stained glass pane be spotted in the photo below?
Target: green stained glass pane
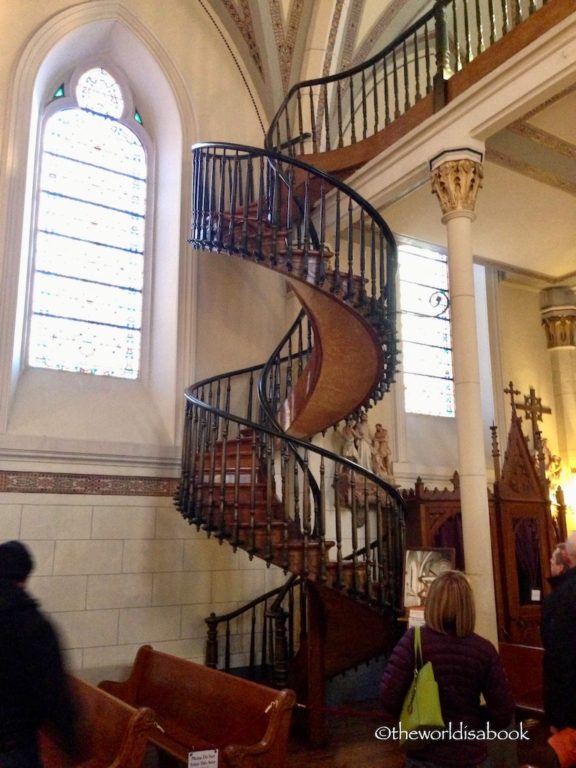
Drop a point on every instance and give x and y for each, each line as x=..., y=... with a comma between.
x=59, y=92
x=138, y=117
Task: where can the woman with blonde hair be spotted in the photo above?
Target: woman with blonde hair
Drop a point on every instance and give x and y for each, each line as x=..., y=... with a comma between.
x=466, y=666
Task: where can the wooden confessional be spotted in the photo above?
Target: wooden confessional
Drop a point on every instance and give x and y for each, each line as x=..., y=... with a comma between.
x=524, y=528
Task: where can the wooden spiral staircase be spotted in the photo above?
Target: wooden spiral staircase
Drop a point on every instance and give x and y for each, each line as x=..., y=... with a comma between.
x=251, y=473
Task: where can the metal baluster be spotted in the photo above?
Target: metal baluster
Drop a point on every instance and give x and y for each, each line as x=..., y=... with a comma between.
x=375, y=98
x=312, y=120
x=479, y=29
x=326, y=115
x=364, y=106
x=492, y=19
x=395, y=84
x=427, y=60
x=320, y=214
x=387, y=117
x=505, y=18
x=467, y=33
x=339, y=113
x=336, y=279
x=456, y=34
x=350, y=239
x=300, y=125
x=406, y=78
x=361, y=298
x=417, y=92
x=340, y=478
x=320, y=522
x=352, y=111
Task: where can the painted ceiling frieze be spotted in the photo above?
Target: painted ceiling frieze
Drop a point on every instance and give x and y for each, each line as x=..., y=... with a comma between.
x=331, y=43
x=352, y=25
x=286, y=37
x=240, y=13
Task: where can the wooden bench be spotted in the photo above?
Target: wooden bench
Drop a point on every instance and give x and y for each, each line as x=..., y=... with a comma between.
x=523, y=666
x=200, y=708
x=115, y=735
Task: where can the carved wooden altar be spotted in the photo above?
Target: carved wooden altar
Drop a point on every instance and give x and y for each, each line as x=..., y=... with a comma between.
x=524, y=530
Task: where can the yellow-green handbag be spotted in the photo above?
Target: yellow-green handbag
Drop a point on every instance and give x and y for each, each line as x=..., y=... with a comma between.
x=421, y=710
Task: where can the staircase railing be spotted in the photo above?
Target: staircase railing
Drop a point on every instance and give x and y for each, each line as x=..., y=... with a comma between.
x=249, y=484
x=272, y=625
x=340, y=110
x=285, y=215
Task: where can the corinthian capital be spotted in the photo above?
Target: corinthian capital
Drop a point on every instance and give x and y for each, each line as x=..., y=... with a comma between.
x=456, y=180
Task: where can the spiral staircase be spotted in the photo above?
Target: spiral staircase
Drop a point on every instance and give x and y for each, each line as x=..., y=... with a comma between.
x=253, y=473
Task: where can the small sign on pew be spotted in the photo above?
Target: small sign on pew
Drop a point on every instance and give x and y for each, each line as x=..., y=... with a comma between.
x=203, y=758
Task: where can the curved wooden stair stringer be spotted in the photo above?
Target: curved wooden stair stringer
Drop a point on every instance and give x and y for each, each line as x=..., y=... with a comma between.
x=347, y=349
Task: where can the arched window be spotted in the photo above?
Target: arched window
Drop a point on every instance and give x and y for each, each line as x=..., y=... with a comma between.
x=425, y=329
x=89, y=241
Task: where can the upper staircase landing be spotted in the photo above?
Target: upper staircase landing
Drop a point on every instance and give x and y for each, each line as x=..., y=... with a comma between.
x=340, y=122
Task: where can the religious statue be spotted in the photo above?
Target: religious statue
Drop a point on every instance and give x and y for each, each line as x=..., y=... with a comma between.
x=364, y=444
x=348, y=435
x=381, y=452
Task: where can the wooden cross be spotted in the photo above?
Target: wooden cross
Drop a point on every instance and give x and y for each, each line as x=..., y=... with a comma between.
x=534, y=410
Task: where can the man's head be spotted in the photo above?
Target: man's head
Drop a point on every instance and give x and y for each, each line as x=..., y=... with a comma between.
x=16, y=562
x=571, y=549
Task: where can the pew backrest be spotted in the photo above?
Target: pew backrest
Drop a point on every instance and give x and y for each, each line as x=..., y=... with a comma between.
x=199, y=707
x=115, y=734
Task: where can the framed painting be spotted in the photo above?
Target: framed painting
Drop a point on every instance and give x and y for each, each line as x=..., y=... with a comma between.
x=421, y=566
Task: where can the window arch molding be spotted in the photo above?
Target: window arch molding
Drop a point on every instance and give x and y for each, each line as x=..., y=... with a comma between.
x=49, y=54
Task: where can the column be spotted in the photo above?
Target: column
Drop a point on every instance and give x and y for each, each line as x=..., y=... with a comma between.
x=558, y=310
x=456, y=179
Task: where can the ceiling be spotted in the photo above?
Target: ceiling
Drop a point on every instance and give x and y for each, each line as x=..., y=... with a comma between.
x=526, y=211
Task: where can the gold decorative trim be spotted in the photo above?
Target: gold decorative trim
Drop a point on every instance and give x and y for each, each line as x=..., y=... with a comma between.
x=456, y=184
x=545, y=139
x=560, y=330
x=530, y=171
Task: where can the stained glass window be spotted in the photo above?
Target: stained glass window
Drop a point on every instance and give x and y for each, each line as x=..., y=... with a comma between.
x=425, y=330
x=90, y=232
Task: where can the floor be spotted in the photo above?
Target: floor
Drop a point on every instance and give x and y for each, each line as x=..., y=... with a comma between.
x=351, y=744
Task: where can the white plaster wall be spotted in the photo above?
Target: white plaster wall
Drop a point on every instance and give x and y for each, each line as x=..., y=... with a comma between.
x=526, y=360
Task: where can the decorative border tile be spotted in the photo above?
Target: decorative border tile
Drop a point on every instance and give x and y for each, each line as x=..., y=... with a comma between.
x=99, y=485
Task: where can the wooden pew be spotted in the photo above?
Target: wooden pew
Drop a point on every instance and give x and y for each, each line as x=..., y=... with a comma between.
x=523, y=666
x=200, y=708
x=115, y=734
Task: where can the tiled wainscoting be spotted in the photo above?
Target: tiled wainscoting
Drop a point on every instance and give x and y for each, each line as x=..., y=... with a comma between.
x=117, y=571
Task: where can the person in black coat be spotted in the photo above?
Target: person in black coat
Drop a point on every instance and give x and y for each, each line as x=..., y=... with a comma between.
x=34, y=687
x=558, y=630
